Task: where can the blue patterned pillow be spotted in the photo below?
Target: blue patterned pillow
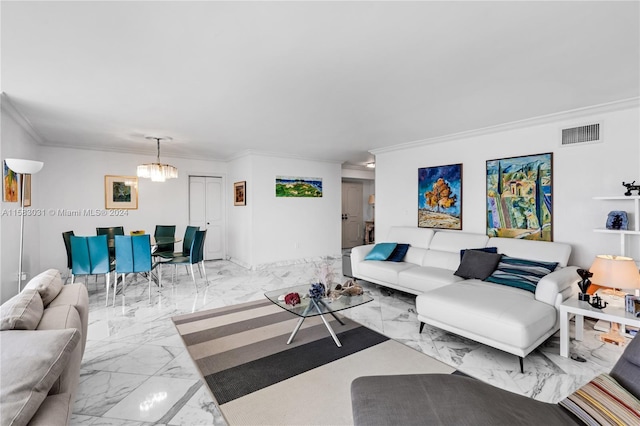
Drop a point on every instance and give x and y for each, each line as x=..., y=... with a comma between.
x=521, y=273
x=398, y=253
x=381, y=251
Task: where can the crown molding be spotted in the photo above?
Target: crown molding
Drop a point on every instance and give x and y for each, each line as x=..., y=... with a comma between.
x=13, y=112
x=528, y=122
x=256, y=153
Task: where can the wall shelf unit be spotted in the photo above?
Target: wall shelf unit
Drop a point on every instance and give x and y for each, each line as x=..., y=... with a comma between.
x=634, y=228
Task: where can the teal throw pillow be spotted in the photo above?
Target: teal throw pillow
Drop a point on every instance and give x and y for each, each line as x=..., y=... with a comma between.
x=521, y=273
x=381, y=251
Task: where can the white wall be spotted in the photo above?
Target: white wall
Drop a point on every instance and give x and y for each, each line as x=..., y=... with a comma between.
x=73, y=179
x=18, y=143
x=240, y=223
x=580, y=173
x=294, y=228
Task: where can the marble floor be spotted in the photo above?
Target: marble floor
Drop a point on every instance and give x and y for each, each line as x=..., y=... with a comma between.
x=136, y=371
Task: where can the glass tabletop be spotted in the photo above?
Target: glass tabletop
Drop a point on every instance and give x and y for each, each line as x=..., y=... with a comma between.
x=322, y=306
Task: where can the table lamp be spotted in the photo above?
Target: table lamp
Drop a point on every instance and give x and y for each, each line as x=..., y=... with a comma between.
x=24, y=167
x=615, y=272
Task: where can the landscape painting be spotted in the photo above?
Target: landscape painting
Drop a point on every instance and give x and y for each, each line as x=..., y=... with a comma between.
x=519, y=197
x=440, y=197
x=289, y=186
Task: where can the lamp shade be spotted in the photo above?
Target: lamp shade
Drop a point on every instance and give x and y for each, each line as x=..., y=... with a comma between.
x=372, y=199
x=615, y=272
x=21, y=166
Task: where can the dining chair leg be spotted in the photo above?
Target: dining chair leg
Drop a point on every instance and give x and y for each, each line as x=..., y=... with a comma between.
x=106, y=300
x=66, y=280
x=193, y=276
x=204, y=271
x=73, y=277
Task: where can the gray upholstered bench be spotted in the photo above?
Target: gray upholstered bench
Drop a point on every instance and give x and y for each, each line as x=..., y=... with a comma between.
x=449, y=399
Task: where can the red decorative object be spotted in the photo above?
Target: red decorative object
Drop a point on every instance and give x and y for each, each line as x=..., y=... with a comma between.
x=292, y=299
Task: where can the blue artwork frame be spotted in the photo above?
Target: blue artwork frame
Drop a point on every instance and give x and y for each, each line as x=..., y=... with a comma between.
x=440, y=197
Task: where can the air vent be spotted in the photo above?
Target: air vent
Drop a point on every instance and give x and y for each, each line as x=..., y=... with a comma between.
x=582, y=134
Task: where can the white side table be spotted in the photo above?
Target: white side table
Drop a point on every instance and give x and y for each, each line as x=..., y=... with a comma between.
x=580, y=310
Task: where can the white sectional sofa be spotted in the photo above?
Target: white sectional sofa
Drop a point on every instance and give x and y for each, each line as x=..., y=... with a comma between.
x=507, y=318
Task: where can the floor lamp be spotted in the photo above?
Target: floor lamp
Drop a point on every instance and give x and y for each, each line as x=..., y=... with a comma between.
x=24, y=167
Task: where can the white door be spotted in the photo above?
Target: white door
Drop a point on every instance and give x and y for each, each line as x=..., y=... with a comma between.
x=352, y=223
x=206, y=211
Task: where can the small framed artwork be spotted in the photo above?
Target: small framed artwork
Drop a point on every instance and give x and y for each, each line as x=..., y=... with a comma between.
x=27, y=190
x=440, y=197
x=520, y=197
x=240, y=193
x=120, y=192
x=9, y=184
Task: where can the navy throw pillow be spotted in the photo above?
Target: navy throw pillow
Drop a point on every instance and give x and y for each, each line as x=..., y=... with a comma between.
x=398, y=253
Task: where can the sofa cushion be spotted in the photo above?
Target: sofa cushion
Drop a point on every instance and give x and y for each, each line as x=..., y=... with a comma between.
x=58, y=318
x=385, y=272
x=398, y=253
x=603, y=401
x=48, y=284
x=381, y=251
x=22, y=312
x=444, y=250
x=426, y=278
x=477, y=264
x=544, y=251
x=521, y=273
x=506, y=315
x=28, y=374
x=416, y=237
x=484, y=249
x=77, y=296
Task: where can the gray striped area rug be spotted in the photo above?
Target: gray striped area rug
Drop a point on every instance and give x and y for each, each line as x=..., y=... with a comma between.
x=257, y=379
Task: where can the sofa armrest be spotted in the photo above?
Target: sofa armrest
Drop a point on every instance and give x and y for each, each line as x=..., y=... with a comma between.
x=557, y=286
x=357, y=255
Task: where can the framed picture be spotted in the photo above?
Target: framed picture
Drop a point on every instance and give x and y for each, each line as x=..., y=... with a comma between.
x=520, y=197
x=240, y=193
x=295, y=186
x=9, y=184
x=440, y=197
x=27, y=189
x=120, y=192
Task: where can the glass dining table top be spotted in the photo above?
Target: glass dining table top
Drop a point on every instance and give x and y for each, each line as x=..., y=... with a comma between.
x=326, y=305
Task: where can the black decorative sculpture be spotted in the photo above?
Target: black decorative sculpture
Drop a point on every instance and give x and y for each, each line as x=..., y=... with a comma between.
x=584, y=284
x=597, y=302
x=631, y=187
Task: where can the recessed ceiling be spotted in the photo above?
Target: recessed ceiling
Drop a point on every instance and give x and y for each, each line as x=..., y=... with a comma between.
x=323, y=80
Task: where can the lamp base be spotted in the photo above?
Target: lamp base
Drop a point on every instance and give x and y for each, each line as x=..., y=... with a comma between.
x=613, y=335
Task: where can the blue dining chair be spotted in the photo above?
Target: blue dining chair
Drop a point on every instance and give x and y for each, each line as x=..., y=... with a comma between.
x=164, y=231
x=195, y=256
x=66, y=237
x=111, y=232
x=189, y=234
x=133, y=255
x=90, y=256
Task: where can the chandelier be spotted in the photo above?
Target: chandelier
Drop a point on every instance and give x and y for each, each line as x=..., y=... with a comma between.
x=157, y=171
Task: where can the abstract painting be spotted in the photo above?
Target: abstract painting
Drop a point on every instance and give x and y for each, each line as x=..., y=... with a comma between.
x=519, y=197
x=290, y=186
x=120, y=192
x=9, y=184
x=440, y=197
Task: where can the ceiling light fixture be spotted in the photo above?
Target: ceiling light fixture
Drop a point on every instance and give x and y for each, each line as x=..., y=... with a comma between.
x=157, y=171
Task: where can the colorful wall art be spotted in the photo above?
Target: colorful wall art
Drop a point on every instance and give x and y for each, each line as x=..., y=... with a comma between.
x=519, y=197
x=440, y=197
x=293, y=186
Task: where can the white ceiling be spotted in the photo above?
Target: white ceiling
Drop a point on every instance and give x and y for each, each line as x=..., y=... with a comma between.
x=323, y=80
